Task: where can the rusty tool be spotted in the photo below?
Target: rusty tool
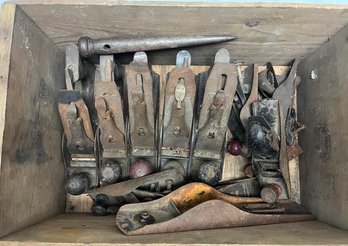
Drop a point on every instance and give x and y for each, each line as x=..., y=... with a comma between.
x=194, y=206
x=73, y=110
x=141, y=106
x=174, y=204
x=111, y=133
x=178, y=114
x=88, y=46
x=213, y=119
x=180, y=96
x=78, y=139
x=156, y=182
x=245, y=113
x=108, y=103
x=285, y=90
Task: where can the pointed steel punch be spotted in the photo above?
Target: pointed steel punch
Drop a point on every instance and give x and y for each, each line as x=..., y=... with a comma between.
x=88, y=46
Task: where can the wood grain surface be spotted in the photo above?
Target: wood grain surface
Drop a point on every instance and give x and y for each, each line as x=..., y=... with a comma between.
x=82, y=229
x=323, y=108
x=6, y=32
x=32, y=175
x=277, y=34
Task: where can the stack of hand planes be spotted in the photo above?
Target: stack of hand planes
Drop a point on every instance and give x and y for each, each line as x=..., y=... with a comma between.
x=153, y=153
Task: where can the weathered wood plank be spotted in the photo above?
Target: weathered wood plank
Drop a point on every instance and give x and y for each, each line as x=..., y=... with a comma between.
x=209, y=3
x=265, y=33
x=323, y=104
x=79, y=229
x=32, y=178
x=6, y=32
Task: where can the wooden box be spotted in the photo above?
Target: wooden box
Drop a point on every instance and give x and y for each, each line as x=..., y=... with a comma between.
x=33, y=35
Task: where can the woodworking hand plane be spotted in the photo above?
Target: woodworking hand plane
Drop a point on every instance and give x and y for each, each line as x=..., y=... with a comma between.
x=141, y=96
x=197, y=206
x=214, y=114
x=78, y=139
x=111, y=134
x=178, y=115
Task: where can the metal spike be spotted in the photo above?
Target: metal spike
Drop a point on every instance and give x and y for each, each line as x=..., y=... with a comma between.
x=88, y=46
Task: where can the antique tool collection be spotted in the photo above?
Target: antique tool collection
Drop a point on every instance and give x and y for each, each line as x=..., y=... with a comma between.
x=154, y=153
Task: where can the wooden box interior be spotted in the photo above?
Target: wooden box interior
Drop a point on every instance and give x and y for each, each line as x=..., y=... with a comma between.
x=33, y=35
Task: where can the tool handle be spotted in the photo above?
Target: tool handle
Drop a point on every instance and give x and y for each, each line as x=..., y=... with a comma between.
x=239, y=200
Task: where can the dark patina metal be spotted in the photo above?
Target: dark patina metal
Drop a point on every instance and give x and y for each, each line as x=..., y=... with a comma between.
x=88, y=46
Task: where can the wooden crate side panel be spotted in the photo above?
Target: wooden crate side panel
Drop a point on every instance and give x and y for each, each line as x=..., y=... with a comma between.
x=32, y=178
x=7, y=17
x=323, y=108
x=264, y=33
x=207, y=3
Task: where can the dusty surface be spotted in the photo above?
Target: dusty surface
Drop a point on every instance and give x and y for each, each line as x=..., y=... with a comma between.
x=79, y=228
